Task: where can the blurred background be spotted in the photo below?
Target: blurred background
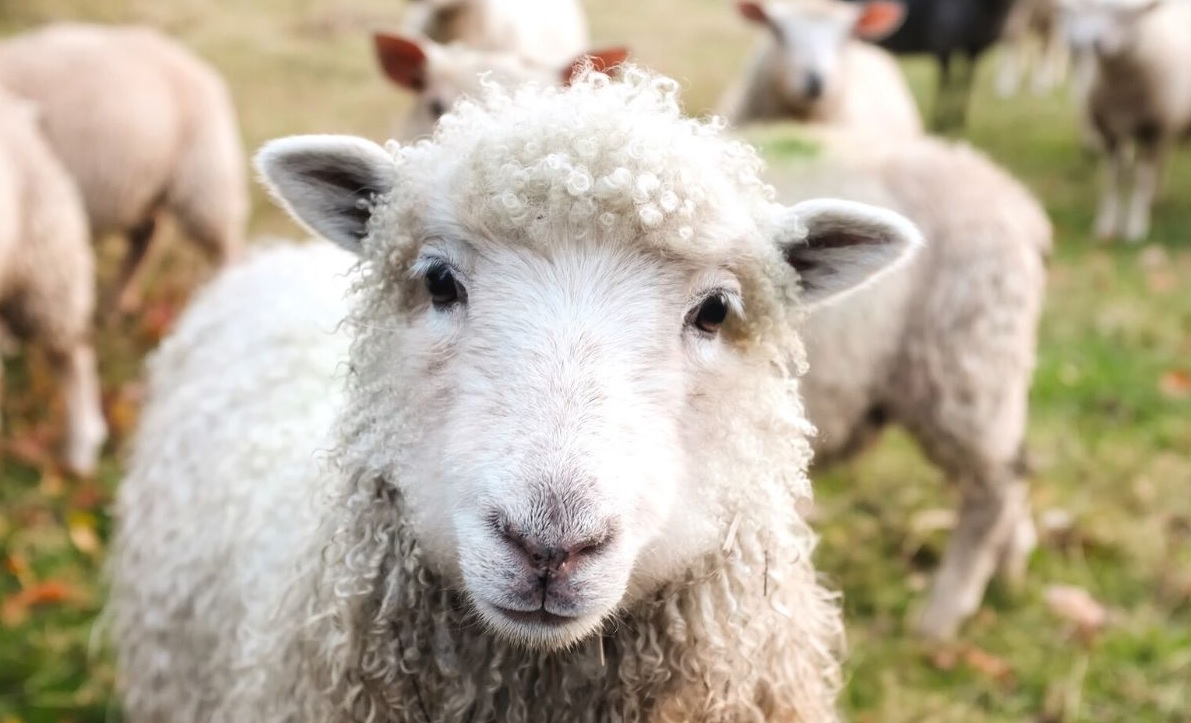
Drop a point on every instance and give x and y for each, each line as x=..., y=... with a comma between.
x=1101, y=630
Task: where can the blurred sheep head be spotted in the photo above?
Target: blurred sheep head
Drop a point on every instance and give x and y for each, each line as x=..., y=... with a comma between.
x=439, y=75
x=1105, y=27
x=810, y=36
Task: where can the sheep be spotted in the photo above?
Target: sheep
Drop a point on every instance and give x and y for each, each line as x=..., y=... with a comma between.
x=1139, y=100
x=944, y=346
x=947, y=30
x=541, y=32
x=540, y=496
x=441, y=74
x=143, y=126
x=1032, y=25
x=47, y=287
x=811, y=68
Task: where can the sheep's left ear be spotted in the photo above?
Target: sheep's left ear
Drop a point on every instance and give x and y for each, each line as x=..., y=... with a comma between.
x=837, y=246
x=879, y=19
x=328, y=183
x=603, y=60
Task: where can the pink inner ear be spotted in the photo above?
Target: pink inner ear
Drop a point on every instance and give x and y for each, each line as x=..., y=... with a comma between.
x=602, y=60
x=753, y=11
x=879, y=18
x=402, y=60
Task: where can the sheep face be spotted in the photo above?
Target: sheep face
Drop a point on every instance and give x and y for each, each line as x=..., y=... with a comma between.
x=1106, y=27
x=810, y=38
x=569, y=293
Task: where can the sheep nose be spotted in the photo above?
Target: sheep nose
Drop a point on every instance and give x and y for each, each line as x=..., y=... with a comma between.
x=814, y=85
x=554, y=559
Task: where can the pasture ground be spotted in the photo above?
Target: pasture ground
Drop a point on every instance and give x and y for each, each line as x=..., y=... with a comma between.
x=1110, y=431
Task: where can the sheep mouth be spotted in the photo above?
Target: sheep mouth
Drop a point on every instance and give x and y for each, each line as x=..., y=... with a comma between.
x=541, y=617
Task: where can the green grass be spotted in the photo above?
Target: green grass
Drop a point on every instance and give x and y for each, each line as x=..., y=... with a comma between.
x=1110, y=426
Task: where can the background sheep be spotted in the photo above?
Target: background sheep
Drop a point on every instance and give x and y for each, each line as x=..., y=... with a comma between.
x=47, y=279
x=441, y=74
x=956, y=33
x=506, y=475
x=944, y=346
x=1139, y=102
x=542, y=32
x=811, y=68
x=143, y=126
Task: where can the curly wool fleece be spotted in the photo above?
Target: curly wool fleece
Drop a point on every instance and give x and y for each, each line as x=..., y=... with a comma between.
x=364, y=625
x=747, y=634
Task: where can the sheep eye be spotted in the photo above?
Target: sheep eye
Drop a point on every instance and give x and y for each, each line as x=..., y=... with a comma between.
x=445, y=290
x=710, y=315
x=437, y=109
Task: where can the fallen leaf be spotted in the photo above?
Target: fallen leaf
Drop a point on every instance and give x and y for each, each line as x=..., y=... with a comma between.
x=18, y=566
x=1076, y=605
x=15, y=608
x=31, y=449
x=157, y=318
x=80, y=526
x=987, y=664
x=1175, y=384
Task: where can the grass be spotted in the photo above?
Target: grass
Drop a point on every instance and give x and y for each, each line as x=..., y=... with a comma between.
x=1110, y=428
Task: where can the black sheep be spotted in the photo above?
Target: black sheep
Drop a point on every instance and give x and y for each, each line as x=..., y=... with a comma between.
x=956, y=33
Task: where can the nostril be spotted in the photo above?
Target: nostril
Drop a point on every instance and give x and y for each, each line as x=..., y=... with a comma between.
x=814, y=85
x=592, y=546
x=551, y=558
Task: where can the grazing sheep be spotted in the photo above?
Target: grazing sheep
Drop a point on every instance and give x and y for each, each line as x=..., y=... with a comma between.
x=544, y=499
x=542, y=32
x=144, y=126
x=811, y=68
x=47, y=288
x=1139, y=102
x=441, y=74
x=1033, y=26
x=950, y=30
x=943, y=346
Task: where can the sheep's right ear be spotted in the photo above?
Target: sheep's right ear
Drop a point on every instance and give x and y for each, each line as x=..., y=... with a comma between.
x=838, y=246
x=879, y=19
x=403, y=60
x=328, y=183
x=603, y=60
x=753, y=12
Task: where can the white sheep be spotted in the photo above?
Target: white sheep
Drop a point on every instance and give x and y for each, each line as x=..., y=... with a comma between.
x=47, y=272
x=944, y=346
x=143, y=126
x=442, y=74
x=542, y=32
x=560, y=482
x=1139, y=102
x=811, y=67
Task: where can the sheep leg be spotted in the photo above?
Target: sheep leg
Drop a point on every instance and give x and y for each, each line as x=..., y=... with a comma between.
x=942, y=95
x=1116, y=170
x=1052, y=64
x=1011, y=69
x=86, y=429
x=1151, y=154
x=127, y=290
x=985, y=538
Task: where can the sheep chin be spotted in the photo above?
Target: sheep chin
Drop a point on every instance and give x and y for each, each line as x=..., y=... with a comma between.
x=538, y=630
